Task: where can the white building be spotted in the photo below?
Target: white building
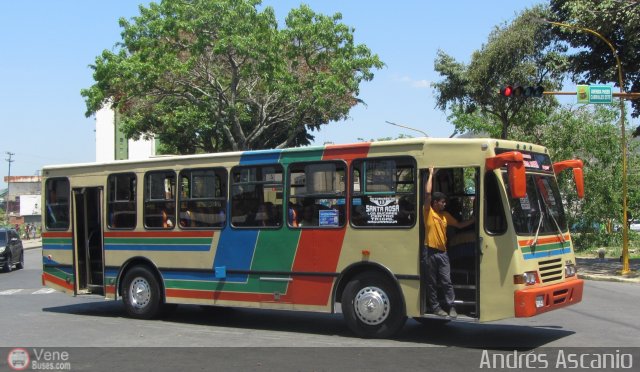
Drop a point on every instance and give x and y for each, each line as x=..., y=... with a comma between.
x=111, y=143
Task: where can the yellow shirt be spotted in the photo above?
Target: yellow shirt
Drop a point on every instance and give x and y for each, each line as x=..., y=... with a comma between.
x=436, y=229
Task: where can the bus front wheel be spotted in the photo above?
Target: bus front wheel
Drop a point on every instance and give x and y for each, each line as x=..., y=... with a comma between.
x=372, y=306
x=141, y=294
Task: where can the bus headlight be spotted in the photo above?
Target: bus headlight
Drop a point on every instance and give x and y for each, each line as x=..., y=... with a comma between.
x=2, y=249
x=570, y=269
x=528, y=278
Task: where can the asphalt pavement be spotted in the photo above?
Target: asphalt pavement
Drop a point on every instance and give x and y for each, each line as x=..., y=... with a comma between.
x=589, y=268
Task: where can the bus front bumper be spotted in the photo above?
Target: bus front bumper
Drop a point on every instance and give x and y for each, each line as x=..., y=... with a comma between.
x=534, y=301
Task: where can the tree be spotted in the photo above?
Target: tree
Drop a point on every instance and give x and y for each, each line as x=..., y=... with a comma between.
x=522, y=52
x=216, y=75
x=591, y=60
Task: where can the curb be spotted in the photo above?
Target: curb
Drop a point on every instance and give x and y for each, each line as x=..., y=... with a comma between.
x=608, y=278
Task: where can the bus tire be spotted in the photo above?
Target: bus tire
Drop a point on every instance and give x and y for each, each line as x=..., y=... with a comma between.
x=372, y=306
x=141, y=293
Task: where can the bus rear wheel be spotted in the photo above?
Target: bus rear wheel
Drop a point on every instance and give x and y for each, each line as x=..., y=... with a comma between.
x=372, y=306
x=141, y=293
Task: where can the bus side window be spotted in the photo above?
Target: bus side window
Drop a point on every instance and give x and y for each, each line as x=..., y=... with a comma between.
x=495, y=221
x=57, y=204
x=121, y=201
x=159, y=200
x=256, y=196
x=317, y=194
x=383, y=192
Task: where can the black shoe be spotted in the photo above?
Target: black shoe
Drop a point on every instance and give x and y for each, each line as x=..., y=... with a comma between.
x=440, y=312
x=453, y=313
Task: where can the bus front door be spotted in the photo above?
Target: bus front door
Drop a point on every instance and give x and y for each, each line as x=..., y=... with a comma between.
x=89, y=254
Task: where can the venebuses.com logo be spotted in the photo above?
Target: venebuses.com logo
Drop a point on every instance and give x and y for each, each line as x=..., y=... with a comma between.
x=18, y=359
x=39, y=359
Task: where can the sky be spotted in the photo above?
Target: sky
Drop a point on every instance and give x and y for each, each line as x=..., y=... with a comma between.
x=47, y=47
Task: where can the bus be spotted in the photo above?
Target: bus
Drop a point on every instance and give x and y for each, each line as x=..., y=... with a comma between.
x=335, y=228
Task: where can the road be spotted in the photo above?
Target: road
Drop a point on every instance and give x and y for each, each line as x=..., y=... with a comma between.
x=39, y=317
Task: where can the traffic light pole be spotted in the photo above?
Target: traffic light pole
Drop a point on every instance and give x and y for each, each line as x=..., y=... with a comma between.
x=623, y=139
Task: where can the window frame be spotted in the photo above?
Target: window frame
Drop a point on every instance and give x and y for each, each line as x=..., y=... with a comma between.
x=345, y=193
x=353, y=194
x=225, y=199
x=46, y=201
x=135, y=201
x=232, y=183
x=147, y=199
x=497, y=182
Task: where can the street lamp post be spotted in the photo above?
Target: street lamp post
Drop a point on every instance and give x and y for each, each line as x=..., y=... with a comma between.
x=623, y=140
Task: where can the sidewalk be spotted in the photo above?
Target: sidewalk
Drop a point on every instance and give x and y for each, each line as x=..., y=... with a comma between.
x=607, y=269
x=32, y=243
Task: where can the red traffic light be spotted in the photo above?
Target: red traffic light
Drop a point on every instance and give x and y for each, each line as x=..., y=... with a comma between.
x=522, y=91
x=506, y=91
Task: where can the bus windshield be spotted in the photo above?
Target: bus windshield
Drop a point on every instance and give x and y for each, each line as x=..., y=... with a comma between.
x=540, y=211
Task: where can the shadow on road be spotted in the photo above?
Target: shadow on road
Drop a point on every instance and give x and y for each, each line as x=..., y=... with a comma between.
x=456, y=334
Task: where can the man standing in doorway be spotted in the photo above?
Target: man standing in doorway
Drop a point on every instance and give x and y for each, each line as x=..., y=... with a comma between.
x=434, y=254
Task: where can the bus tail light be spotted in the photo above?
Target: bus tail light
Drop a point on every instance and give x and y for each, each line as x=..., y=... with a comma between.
x=528, y=278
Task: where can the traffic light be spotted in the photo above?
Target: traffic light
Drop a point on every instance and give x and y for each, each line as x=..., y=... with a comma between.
x=520, y=91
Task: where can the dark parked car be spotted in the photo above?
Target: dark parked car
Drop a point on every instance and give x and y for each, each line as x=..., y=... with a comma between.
x=11, y=252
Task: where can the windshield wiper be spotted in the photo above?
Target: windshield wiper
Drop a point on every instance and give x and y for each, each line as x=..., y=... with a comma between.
x=555, y=222
x=533, y=244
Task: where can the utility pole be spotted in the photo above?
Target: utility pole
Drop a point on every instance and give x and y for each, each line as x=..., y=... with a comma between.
x=9, y=160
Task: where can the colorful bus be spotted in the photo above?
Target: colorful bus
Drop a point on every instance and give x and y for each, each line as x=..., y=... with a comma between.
x=336, y=228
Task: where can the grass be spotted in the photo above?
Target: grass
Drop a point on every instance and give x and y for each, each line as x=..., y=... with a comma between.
x=611, y=251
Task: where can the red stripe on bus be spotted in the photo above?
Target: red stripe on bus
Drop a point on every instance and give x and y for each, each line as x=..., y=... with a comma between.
x=159, y=234
x=57, y=234
x=57, y=281
x=229, y=296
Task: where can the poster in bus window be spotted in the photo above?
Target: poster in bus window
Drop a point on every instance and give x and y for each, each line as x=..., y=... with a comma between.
x=328, y=218
x=383, y=210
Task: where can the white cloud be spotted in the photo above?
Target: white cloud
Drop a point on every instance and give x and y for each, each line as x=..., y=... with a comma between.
x=419, y=84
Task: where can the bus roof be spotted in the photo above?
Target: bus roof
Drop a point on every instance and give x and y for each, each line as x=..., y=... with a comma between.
x=424, y=141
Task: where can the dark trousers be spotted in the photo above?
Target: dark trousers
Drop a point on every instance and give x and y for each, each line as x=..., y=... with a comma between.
x=437, y=270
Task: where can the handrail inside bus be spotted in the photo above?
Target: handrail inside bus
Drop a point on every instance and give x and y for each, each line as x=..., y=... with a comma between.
x=515, y=170
x=578, y=176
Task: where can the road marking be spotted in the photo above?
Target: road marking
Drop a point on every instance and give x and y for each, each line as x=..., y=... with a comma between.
x=44, y=291
x=9, y=292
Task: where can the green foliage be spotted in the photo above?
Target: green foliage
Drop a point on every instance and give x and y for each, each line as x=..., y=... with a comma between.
x=592, y=61
x=523, y=52
x=216, y=75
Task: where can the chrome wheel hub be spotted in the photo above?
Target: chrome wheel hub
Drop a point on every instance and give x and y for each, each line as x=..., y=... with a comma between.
x=372, y=305
x=139, y=293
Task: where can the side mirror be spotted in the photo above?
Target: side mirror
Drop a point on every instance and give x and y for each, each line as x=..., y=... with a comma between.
x=578, y=176
x=515, y=171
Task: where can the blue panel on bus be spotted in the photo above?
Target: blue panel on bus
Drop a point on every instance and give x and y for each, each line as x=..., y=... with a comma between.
x=260, y=157
x=235, y=251
x=544, y=254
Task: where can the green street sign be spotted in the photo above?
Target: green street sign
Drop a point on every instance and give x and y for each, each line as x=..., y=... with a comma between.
x=594, y=94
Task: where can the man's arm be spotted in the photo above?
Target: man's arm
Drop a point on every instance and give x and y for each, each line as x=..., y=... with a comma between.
x=427, y=191
x=451, y=221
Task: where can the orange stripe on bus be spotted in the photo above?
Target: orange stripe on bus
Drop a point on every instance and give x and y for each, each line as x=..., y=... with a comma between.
x=547, y=240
